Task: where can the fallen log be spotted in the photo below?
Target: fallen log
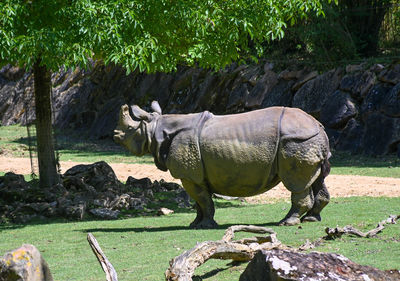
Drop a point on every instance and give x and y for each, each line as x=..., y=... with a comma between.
x=182, y=267
x=111, y=274
x=278, y=264
x=337, y=232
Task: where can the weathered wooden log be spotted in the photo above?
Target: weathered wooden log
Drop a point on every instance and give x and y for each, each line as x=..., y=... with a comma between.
x=111, y=274
x=283, y=265
x=182, y=267
x=230, y=232
x=337, y=232
x=25, y=263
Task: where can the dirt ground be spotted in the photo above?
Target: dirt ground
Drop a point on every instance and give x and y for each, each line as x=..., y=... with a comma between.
x=338, y=185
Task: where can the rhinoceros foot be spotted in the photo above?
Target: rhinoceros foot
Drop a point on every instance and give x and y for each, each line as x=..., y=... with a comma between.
x=204, y=224
x=311, y=218
x=290, y=221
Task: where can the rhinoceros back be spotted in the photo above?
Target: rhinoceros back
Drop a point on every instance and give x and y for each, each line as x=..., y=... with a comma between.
x=239, y=151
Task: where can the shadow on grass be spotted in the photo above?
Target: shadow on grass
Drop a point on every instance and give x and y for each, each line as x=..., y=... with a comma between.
x=210, y=274
x=164, y=228
x=126, y=215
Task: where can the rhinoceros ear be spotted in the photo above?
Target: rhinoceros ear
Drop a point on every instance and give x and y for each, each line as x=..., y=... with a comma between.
x=156, y=107
x=140, y=113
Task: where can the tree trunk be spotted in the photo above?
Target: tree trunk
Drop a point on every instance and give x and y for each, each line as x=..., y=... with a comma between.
x=364, y=19
x=48, y=174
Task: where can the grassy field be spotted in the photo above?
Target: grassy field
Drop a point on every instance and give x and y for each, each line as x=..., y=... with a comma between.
x=71, y=147
x=140, y=248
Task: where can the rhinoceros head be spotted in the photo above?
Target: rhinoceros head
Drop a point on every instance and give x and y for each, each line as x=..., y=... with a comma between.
x=135, y=134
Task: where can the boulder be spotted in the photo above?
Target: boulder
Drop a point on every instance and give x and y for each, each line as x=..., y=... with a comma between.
x=237, y=97
x=350, y=138
x=390, y=104
x=375, y=97
x=263, y=85
x=338, y=109
x=303, y=79
x=25, y=263
x=313, y=94
x=391, y=75
x=164, y=212
x=279, y=95
x=358, y=84
x=381, y=135
x=104, y=213
x=98, y=175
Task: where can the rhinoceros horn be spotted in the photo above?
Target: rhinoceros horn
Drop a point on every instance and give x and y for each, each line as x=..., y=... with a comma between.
x=156, y=107
x=125, y=122
x=140, y=113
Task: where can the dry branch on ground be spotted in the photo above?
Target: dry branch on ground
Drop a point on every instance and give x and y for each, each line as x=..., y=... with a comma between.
x=182, y=267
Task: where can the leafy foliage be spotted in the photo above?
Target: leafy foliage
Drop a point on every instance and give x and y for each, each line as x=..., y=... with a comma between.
x=152, y=35
x=349, y=32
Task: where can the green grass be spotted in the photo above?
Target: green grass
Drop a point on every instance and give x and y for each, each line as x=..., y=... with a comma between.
x=380, y=166
x=73, y=147
x=140, y=248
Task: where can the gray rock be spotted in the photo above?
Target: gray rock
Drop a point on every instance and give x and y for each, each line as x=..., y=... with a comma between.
x=256, y=95
x=164, y=212
x=137, y=203
x=375, y=97
x=338, y=109
x=279, y=95
x=350, y=138
x=390, y=104
x=237, y=97
x=391, y=75
x=313, y=94
x=76, y=211
x=381, y=135
x=358, y=84
x=143, y=183
x=305, y=78
x=25, y=263
x=121, y=202
x=104, y=213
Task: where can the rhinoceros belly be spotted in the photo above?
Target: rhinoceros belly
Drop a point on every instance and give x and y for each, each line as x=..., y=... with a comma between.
x=238, y=152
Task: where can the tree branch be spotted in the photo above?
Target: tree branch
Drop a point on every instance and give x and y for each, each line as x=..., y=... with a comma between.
x=182, y=267
x=111, y=274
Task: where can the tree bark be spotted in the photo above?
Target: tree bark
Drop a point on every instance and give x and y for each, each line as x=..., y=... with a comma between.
x=48, y=174
x=278, y=264
x=182, y=267
x=111, y=274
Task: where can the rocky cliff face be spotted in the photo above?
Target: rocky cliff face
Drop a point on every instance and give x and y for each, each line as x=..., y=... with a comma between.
x=359, y=106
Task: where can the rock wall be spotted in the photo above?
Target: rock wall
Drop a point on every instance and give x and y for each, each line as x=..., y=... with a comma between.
x=359, y=105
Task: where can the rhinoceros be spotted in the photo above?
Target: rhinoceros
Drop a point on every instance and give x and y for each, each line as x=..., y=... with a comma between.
x=236, y=155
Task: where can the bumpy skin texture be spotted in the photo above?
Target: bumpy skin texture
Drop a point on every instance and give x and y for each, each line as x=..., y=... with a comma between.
x=237, y=155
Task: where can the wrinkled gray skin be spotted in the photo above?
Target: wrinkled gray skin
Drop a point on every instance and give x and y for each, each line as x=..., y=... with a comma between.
x=237, y=155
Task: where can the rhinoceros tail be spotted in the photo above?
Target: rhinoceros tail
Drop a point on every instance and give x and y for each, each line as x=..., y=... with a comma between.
x=326, y=166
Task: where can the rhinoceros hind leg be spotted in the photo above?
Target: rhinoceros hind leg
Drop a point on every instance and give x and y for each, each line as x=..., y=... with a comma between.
x=301, y=203
x=321, y=199
x=204, y=205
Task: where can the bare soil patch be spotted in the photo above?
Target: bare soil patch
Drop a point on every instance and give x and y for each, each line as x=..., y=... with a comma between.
x=338, y=185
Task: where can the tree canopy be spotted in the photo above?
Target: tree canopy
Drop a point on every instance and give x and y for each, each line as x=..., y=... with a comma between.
x=152, y=35
x=149, y=35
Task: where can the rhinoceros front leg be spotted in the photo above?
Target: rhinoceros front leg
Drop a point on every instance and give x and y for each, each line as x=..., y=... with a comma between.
x=204, y=205
x=301, y=203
